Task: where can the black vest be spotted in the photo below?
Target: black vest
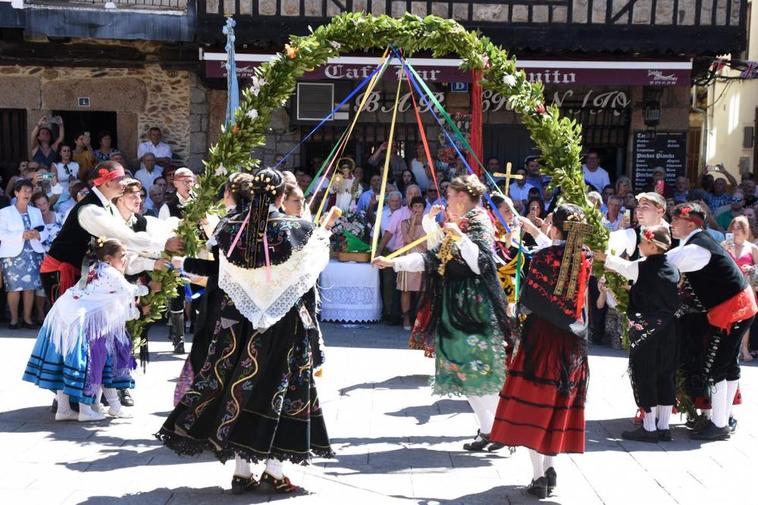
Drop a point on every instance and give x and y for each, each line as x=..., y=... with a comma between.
x=72, y=242
x=140, y=224
x=720, y=279
x=175, y=208
x=656, y=289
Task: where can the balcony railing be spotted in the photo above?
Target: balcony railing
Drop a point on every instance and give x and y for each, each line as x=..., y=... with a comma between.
x=640, y=26
x=173, y=5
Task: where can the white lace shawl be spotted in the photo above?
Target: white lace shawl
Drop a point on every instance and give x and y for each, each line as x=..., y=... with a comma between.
x=101, y=308
x=265, y=301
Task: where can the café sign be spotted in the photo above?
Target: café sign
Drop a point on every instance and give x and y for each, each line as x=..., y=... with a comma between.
x=445, y=70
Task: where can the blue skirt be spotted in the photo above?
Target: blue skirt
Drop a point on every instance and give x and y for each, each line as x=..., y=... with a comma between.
x=72, y=373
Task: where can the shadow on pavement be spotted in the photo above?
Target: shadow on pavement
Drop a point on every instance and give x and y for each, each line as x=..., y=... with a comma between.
x=423, y=413
x=184, y=495
x=499, y=494
x=605, y=435
x=397, y=382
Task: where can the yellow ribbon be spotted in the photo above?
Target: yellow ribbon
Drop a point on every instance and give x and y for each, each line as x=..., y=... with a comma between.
x=345, y=138
x=410, y=246
x=378, y=223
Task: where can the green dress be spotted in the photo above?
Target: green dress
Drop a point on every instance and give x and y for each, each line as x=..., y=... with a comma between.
x=462, y=318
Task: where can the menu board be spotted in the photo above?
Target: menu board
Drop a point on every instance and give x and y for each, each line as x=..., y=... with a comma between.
x=658, y=149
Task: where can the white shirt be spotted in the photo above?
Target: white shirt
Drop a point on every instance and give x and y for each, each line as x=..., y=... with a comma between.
x=517, y=192
x=65, y=177
x=162, y=150
x=629, y=269
x=599, y=178
x=148, y=178
x=106, y=221
x=689, y=257
x=420, y=174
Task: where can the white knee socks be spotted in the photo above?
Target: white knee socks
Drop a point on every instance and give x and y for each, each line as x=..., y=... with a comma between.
x=116, y=409
x=484, y=408
x=242, y=467
x=548, y=462
x=538, y=462
x=720, y=409
x=274, y=468
x=648, y=421
x=731, y=392
x=664, y=416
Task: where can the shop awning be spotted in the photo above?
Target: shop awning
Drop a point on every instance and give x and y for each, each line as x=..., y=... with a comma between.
x=553, y=72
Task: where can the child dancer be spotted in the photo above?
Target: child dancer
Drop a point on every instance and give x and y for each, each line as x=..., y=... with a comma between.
x=83, y=343
x=653, y=300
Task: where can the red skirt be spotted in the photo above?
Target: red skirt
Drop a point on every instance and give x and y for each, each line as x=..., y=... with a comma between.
x=533, y=412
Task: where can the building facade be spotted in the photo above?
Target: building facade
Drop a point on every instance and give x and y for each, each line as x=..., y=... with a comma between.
x=623, y=69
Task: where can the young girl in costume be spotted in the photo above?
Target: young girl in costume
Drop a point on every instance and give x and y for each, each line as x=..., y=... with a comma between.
x=653, y=302
x=83, y=349
x=462, y=319
x=542, y=403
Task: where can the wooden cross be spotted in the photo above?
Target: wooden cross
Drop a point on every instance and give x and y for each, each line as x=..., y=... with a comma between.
x=572, y=256
x=508, y=176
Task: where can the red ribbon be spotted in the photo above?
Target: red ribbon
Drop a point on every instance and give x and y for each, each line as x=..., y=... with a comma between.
x=105, y=175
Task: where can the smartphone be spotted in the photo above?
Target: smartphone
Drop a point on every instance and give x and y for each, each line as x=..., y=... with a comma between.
x=729, y=237
x=628, y=214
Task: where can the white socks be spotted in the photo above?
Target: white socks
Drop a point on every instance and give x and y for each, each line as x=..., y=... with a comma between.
x=64, y=411
x=731, y=392
x=548, y=461
x=484, y=408
x=274, y=468
x=63, y=405
x=116, y=409
x=87, y=414
x=648, y=420
x=242, y=467
x=719, y=415
x=664, y=416
x=538, y=461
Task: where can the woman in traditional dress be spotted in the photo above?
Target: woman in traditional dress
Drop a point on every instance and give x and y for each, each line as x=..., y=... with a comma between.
x=462, y=319
x=83, y=349
x=254, y=398
x=542, y=403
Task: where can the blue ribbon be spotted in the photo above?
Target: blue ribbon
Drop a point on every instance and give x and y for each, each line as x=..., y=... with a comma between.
x=328, y=116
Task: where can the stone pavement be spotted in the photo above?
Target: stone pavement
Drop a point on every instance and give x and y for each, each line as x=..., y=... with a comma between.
x=395, y=443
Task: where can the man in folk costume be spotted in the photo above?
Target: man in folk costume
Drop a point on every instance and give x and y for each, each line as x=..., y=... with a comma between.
x=184, y=180
x=718, y=284
x=653, y=302
x=542, y=403
x=254, y=398
x=94, y=216
x=651, y=207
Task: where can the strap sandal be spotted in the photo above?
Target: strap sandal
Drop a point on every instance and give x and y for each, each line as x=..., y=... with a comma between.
x=243, y=484
x=282, y=485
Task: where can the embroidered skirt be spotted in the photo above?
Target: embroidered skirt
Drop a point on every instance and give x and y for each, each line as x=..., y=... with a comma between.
x=254, y=396
x=542, y=403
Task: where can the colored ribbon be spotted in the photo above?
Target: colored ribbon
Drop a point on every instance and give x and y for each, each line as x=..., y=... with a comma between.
x=410, y=246
x=331, y=114
x=378, y=223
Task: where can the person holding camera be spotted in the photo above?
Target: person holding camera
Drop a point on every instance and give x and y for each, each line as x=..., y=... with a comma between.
x=44, y=149
x=22, y=232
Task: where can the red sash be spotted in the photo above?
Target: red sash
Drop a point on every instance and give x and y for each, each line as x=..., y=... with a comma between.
x=69, y=274
x=738, y=308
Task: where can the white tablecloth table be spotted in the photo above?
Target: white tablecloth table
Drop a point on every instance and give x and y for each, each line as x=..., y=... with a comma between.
x=350, y=292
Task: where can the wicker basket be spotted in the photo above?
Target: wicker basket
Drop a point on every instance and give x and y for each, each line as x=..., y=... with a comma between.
x=358, y=257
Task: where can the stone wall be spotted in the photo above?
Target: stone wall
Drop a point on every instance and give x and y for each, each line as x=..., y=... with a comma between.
x=141, y=97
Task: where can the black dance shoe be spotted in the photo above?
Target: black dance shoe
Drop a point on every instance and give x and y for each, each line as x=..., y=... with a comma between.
x=179, y=347
x=732, y=424
x=538, y=488
x=640, y=435
x=126, y=398
x=495, y=446
x=664, y=435
x=242, y=485
x=282, y=485
x=552, y=480
x=480, y=442
x=711, y=432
